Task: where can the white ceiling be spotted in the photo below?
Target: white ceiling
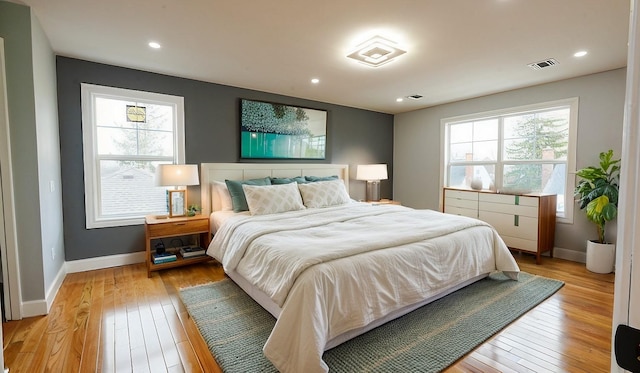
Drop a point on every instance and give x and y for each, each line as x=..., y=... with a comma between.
x=456, y=49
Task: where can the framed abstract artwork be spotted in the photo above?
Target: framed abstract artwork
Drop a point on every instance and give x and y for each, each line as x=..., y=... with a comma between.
x=276, y=131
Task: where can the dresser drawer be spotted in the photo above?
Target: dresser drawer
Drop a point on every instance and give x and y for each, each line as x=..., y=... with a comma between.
x=461, y=195
x=455, y=210
x=459, y=202
x=520, y=243
x=530, y=211
x=509, y=199
x=178, y=227
x=512, y=225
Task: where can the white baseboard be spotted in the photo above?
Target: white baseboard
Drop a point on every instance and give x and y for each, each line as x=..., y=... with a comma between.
x=101, y=262
x=55, y=286
x=42, y=306
x=34, y=308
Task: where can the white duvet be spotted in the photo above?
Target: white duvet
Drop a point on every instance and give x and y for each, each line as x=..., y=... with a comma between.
x=336, y=269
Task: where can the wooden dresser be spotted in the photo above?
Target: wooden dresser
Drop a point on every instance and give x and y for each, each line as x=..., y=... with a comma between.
x=525, y=222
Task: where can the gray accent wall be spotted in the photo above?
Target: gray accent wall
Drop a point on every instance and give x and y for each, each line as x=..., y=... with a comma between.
x=212, y=130
x=418, y=155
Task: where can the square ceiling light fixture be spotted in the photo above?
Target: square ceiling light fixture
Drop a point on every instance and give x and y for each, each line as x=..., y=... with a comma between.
x=376, y=52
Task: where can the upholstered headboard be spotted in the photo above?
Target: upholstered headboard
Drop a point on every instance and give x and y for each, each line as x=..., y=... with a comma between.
x=242, y=171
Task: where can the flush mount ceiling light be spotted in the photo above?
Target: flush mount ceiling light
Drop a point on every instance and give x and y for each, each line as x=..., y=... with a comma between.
x=154, y=45
x=376, y=51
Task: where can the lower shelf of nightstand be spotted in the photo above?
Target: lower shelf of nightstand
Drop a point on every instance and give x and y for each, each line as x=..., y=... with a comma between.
x=179, y=262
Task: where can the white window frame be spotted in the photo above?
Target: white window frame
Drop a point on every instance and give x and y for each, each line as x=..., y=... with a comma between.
x=572, y=103
x=89, y=92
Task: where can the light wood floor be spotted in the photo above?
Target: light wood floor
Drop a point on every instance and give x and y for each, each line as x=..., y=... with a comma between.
x=118, y=320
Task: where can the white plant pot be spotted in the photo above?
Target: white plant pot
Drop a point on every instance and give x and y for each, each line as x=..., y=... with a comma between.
x=601, y=257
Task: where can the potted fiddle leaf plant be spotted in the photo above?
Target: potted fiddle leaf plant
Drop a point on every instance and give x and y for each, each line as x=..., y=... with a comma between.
x=597, y=194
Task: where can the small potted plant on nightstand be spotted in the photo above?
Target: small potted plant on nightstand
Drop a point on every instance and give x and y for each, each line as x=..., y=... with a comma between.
x=597, y=194
x=193, y=210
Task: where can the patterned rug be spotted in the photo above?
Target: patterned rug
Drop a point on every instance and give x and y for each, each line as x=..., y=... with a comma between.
x=428, y=339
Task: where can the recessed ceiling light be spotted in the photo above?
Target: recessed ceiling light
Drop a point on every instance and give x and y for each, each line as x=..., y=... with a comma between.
x=315, y=80
x=399, y=99
x=154, y=45
x=376, y=51
x=580, y=54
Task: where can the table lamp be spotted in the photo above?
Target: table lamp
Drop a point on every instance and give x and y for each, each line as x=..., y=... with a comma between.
x=372, y=173
x=178, y=176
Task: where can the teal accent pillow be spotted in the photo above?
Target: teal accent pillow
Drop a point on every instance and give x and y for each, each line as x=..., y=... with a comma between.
x=288, y=180
x=238, y=198
x=321, y=178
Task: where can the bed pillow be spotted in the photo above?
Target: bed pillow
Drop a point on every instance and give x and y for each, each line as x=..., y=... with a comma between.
x=321, y=178
x=238, y=199
x=221, y=193
x=324, y=194
x=272, y=199
x=288, y=180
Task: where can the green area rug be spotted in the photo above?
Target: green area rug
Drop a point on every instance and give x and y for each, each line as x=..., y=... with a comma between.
x=426, y=340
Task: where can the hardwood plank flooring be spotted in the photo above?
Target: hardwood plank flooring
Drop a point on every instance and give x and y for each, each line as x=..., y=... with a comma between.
x=118, y=320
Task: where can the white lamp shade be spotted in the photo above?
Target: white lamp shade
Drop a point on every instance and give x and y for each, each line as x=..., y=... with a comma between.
x=371, y=172
x=177, y=175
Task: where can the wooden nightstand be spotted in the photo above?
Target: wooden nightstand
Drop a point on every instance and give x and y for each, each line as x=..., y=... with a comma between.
x=175, y=227
x=385, y=202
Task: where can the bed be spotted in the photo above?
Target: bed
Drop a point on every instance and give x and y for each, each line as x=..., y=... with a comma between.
x=330, y=268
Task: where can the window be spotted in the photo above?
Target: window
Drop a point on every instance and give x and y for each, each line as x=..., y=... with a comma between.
x=126, y=134
x=524, y=149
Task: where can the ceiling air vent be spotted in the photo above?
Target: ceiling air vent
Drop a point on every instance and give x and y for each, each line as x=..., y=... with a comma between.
x=415, y=97
x=543, y=64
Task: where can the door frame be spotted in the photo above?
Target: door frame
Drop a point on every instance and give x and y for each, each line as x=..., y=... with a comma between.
x=8, y=235
x=626, y=301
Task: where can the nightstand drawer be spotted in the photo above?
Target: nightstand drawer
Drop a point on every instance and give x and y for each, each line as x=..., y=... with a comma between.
x=178, y=227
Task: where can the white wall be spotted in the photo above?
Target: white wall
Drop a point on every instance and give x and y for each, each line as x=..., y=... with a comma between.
x=417, y=155
x=48, y=144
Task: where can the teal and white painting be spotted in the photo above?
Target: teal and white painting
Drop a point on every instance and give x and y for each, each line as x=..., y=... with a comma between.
x=271, y=130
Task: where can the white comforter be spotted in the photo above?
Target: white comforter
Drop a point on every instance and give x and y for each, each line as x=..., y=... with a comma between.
x=336, y=269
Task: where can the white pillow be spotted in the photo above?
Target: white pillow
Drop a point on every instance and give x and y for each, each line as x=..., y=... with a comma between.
x=324, y=194
x=272, y=199
x=221, y=192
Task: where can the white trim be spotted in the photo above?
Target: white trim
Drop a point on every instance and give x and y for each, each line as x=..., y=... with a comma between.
x=43, y=306
x=102, y=262
x=55, y=287
x=34, y=308
x=573, y=104
x=89, y=139
x=9, y=237
x=626, y=299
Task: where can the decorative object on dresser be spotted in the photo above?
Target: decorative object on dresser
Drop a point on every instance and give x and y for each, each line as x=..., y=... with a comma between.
x=597, y=194
x=372, y=173
x=196, y=227
x=177, y=175
x=526, y=222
